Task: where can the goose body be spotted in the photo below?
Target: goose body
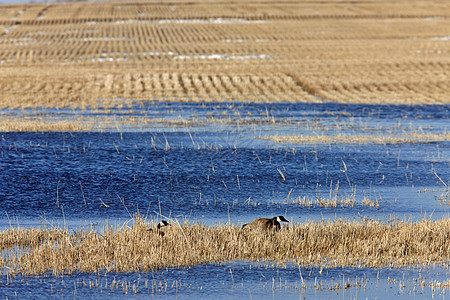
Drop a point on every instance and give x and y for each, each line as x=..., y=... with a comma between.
x=266, y=224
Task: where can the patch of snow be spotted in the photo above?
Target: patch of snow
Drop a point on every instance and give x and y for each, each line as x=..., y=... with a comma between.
x=61, y=33
x=118, y=56
x=223, y=56
x=18, y=41
x=131, y=21
x=430, y=51
x=434, y=18
x=441, y=38
x=18, y=14
x=247, y=41
x=8, y=29
x=209, y=21
x=107, y=39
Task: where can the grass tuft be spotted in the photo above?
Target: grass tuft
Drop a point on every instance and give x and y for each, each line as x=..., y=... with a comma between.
x=133, y=248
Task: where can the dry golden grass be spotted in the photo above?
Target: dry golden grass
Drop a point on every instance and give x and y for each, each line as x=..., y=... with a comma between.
x=133, y=248
x=334, y=201
x=88, y=123
x=440, y=285
x=90, y=53
x=411, y=138
x=19, y=124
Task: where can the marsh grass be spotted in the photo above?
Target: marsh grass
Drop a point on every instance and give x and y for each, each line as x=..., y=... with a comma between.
x=49, y=123
x=334, y=202
x=411, y=138
x=42, y=124
x=133, y=248
x=440, y=285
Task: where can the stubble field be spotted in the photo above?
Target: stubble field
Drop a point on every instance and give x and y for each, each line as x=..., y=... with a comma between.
x=92, y=54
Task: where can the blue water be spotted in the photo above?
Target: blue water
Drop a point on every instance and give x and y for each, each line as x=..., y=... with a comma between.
x=107, y=175
x=216, y=170
x=236, y=280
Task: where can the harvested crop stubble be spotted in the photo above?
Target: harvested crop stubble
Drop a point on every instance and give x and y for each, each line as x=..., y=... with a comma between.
x=85, y=54
x=326, y=243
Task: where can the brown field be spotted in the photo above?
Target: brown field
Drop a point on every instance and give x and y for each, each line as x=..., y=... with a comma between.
x=100, y=54
x=131, y=248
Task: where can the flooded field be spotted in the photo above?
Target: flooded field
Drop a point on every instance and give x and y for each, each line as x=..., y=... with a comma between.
x=222, y=168
x=220, y=164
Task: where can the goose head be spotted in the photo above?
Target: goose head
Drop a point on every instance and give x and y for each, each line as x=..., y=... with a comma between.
x=281, y=219
x=163, y=223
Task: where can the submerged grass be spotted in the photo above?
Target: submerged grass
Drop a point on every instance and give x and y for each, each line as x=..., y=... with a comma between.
x=133, y=248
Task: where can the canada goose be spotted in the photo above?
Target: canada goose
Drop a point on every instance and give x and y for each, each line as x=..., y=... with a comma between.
x=266, y=224
x=161, y=224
